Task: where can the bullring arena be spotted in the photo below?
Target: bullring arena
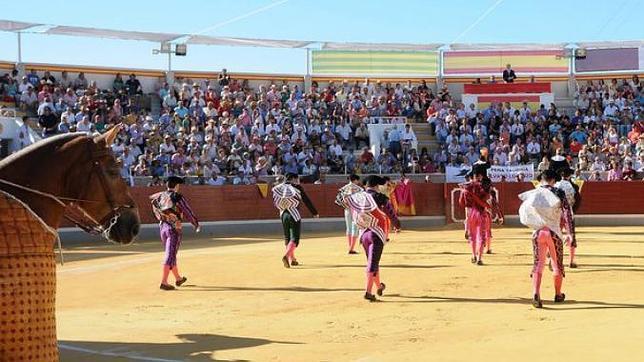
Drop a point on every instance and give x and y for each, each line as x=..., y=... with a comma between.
x=241, y=304
x=279, y=180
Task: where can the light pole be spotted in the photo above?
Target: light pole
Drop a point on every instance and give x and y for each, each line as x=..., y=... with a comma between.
x=169, y=48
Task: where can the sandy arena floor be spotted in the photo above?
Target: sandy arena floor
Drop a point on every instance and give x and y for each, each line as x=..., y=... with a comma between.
x=241, y=304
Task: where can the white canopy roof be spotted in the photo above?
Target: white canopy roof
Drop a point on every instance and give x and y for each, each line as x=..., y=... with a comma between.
x=17, y=26
x=8, y=25
x=380, y=46
x=266, y=43
x=612, y=44
x=111, y=34
x=508, y=46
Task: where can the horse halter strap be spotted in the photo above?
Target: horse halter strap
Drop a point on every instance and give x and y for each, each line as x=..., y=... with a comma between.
x=77, y=215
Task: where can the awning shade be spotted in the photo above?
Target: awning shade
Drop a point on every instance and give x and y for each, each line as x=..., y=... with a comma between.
x=111, y=34
x=8, y=25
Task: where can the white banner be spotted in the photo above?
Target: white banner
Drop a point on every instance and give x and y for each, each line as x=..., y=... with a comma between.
x=456, y=174
x=496, y=173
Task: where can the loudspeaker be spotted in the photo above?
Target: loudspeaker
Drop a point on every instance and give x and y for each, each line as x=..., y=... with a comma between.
x=580, y=53
x=181, y=50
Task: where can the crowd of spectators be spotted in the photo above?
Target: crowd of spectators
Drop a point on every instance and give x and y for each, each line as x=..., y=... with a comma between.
x=223, y=130
x=602, y=138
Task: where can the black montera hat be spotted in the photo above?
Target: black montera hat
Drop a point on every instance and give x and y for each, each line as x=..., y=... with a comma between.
x=174, y=180
x=374, y=180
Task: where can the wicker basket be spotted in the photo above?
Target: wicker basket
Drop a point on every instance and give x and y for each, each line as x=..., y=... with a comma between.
x=27, y=284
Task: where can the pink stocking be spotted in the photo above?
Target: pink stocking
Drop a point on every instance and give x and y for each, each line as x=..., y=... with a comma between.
x=572, y=254
x=558, y=282
x=166, y=273
x=290, y=250
x=370, y=280
x=536, y=283
x=354, y=239
x=473, y=245
x=479, y=245
x=175, y=272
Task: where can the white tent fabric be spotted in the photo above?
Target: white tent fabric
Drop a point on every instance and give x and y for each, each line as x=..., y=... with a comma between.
x=526, y=46
x=380, y=46
x=8, y=25
x=17, y=26
x=266, y=43
x=612, y=44
x=111, y=34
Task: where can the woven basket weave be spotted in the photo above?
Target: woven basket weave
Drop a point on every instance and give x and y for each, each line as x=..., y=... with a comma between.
x=27, y=284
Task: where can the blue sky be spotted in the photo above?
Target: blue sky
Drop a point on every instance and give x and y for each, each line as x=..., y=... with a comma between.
x=415, y=21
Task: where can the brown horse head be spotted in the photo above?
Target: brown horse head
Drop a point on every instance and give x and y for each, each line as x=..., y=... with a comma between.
x=79, y=170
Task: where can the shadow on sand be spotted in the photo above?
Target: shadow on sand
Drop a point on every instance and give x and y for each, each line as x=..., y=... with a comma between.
x=361, y=266
x=567, y=305
x=192, y=347
x=295, y=289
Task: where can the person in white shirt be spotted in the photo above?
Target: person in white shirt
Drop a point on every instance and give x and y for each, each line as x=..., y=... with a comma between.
x=466, y=137
x=344, y=131
x=460, y=112
x=471, y=111
x=167, y=148
x=272, y=126
x=500, y=157
x=517, y=129
x=24, y=86
x=533, y=149
x=611, y=108
x=85, y=125
x=335, y=149
x=452, y=136
x=598, y=165
x=127, y=158
x=216, y=179
x=525, y=112
x=170, y=101
x=408, y=136
x=298, y=135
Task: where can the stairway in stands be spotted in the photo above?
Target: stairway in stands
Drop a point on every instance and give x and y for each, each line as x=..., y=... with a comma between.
x=425, y=137
x=155, y=105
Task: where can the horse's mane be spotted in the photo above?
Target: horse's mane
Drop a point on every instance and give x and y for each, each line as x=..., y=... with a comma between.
x=39, y=146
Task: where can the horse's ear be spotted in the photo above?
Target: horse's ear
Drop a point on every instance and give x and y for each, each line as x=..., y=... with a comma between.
x=109, y=136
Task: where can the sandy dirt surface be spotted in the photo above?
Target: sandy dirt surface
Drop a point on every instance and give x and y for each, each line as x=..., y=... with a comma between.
x=241, y=304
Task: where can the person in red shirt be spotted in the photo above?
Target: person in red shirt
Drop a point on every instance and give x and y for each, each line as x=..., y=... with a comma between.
x=628, y=174
x=575, y=147
x=634, y=134
x=366, y=157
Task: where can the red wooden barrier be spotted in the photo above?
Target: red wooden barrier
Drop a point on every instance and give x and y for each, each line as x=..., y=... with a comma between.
x=220, y=203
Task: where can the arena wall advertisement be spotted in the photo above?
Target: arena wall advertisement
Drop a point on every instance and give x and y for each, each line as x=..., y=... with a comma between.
x=496, y=173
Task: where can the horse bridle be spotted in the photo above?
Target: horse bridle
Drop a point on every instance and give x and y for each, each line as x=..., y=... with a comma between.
x=76, y=213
